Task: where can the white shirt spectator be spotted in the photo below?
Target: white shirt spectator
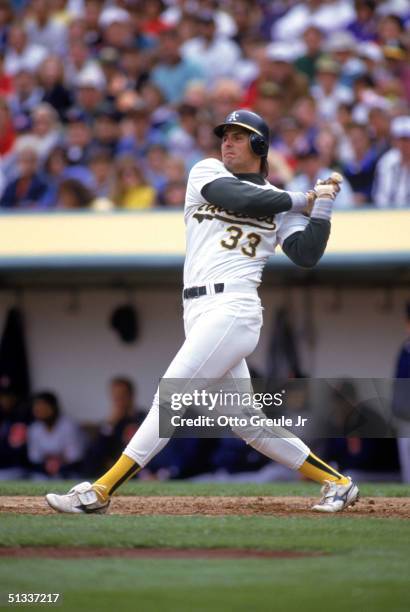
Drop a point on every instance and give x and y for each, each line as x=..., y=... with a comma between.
x=64, y=440
x=301, y=182
x=217, y=59
x=392, y=182
x=53, y=36
x=29, y=59
x=328, y=17
x=328, y=104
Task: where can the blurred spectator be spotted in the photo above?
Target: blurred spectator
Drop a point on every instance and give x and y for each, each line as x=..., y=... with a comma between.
x=173, y=195
x=46, y=128
x=13, y=434
x=208, y=48
x=6, y=17
x=277, y=69
x=138, y=133
x=43, y=29
x=131, y=189
x=392, y=182
x=116, y=28
x=72, y=195
x=101, y=168
x=360, y=170
x=27, y=95
x=78, y=138
x=21, y=54
x=327, y=90
x=6, y=82
x=28, y=189
x=116, y=431
x=306, y=63
x=106, y=129
x=310, y=170
x=7, y=134
x=224, y=95
x=321, y=14
x=364, y=26
x=51, y=79
x=173, y=73
x=90, y=91
x=55, y=442
x=182, y=139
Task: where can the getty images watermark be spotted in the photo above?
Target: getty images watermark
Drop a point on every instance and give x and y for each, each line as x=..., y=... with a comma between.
x=228, y=400
x=311, y=408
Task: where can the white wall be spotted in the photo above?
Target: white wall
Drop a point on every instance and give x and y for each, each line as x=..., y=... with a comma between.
x=74, y=351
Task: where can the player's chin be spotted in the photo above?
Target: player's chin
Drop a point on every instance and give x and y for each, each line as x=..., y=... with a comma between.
x=229, y=162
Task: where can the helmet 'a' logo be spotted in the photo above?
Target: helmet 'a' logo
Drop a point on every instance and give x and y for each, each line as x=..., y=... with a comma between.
x=233, y=116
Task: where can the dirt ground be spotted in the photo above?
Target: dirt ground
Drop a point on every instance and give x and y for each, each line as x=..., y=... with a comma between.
x=380, y=507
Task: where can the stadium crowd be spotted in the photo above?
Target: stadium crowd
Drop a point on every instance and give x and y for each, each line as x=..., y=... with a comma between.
x=108, y=104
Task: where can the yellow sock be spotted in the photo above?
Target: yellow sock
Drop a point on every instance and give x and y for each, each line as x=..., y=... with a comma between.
x=120, y=472
x=317, y=470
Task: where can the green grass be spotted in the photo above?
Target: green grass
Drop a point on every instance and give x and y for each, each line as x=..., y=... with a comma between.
x=364, y=568
x=187, y=488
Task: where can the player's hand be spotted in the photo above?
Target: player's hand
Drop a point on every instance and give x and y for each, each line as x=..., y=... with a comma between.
x=328, y=188
x=310, y=200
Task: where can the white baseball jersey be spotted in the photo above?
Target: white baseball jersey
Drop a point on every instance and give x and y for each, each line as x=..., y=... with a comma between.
x=224, y=245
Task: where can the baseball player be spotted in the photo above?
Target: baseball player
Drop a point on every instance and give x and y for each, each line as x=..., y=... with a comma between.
x=234, y=220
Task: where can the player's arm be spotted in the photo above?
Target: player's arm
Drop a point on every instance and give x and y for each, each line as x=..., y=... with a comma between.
x=232, y=194
x=306, y=247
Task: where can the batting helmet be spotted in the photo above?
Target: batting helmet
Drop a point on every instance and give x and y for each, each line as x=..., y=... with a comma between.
x=259, y=131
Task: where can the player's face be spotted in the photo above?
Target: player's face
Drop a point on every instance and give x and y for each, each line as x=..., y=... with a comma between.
x=236, y=153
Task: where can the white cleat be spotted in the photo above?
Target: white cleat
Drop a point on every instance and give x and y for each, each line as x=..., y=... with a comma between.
x=81, y=499
x=337, y=497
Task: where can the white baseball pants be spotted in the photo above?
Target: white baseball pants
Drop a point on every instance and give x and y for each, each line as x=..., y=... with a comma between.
x=221, y=331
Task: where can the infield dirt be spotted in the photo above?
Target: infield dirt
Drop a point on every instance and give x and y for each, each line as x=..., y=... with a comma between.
x=378, y=507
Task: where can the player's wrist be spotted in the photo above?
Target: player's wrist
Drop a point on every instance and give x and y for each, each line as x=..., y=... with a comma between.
x=299, y=201
x=322, y=209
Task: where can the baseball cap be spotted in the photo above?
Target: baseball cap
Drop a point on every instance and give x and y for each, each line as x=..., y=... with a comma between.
x=327, y=64
x=370, y=50
x=113, y=14
x=341, y=41
x=91, y=76
x=280, y=52
x=400, y=127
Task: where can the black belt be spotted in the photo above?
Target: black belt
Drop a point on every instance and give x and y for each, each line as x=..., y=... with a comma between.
x=196, y=292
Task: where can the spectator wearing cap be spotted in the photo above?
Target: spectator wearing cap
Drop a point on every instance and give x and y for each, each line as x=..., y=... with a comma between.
x=7, y=133
x=55, y=442
x=6, y=82
x=134, y=67
x=173, y=73
x=314, y=41
x=44, y=29
x=116, y=81
x=28, y=189
x=276, y=68
x=207, y=49
x=51, y=79
x=364, y=25
x=27, y=95
x=392, y=182
x=116, y=28
x=310, y=169
x=20, y=53
x=327, y=91
x=341, y=47
x=131, y=189
x=360, y=170
x=90, y=91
